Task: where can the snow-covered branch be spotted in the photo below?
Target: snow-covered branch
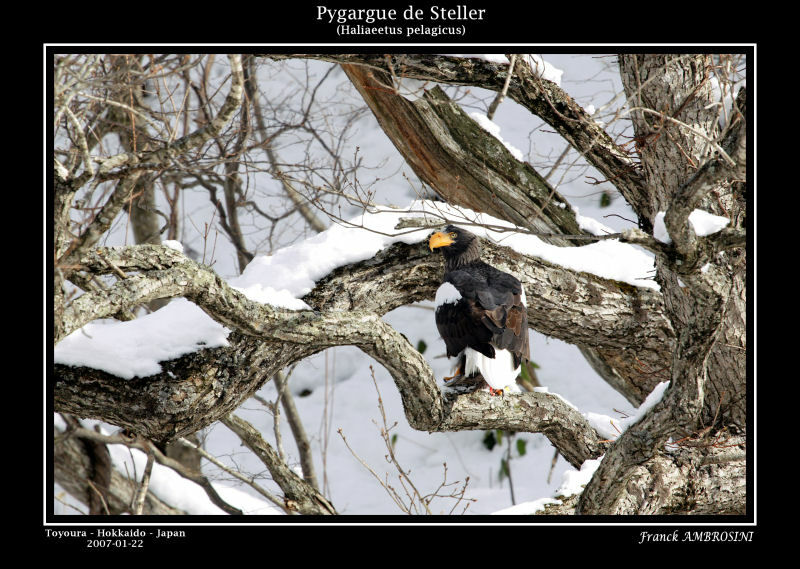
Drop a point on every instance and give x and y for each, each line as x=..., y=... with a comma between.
x=174, y=403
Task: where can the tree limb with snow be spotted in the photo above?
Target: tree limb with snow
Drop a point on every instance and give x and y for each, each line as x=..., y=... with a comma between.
x=189, y=395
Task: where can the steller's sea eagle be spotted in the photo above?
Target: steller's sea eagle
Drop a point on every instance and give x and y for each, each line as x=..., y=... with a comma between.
x=481, y=312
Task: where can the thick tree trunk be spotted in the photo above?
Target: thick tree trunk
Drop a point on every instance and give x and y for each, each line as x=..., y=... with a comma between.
x=680, y=86
x=704, y=296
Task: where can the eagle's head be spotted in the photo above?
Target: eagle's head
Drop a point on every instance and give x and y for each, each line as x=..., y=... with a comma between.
x=459, y=246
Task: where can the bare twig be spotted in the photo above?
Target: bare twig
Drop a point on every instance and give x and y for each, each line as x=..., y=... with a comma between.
x=502, y=94
x=552, y=466
x=300, y=496
x=508, y=468
x=415, y=502
x=100, y=496
x=138, y=502
x=250, y=482
x=298, y=431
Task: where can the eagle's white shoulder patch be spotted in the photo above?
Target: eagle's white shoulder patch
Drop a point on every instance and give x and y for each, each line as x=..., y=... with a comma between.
x=447, y=294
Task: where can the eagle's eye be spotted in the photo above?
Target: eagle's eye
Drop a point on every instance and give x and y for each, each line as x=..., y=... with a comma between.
x=453, y=234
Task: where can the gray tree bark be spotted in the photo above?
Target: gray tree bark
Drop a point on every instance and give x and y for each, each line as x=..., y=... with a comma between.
x=683, y=171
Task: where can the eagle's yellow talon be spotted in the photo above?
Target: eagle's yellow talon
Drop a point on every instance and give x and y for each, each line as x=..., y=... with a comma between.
x=455, y=375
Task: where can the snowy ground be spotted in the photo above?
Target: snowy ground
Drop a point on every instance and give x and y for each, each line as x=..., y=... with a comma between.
x=334, y=390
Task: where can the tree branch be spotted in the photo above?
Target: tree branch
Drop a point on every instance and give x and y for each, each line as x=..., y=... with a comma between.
x=164, y=407
x=715, y=171
x=154, y=159
x=298, y=431
x=466, y=165
x=300, y=201
x=299, y=495
x=72, y=471
x=163, y=155
x=151, y=450
x=541, y=97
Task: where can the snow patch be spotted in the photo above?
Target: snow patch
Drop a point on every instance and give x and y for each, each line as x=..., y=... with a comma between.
x=544, y=69
x=135, y=348
x=573, y=481
x=703, y=223
x=611, y=427
x=493, y=129
x=660, y=228
x=527, y=508
x=547, y=390
x=591, y=225
x=172, y=244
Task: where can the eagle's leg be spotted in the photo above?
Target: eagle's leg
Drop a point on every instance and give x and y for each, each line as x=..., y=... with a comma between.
x=459, y=371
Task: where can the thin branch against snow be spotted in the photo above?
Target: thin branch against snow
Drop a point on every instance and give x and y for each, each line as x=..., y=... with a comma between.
x=299, y=496
x=296, y=426
x=236, y=474
x=151, y=450
x=154, y=159
x=417, y=503
x=502, y=94
x=138, y=502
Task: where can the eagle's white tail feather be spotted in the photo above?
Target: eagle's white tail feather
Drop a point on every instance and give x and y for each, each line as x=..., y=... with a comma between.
x=499, y=372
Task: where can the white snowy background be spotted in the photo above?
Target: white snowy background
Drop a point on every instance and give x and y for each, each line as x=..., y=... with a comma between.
x=334, y=389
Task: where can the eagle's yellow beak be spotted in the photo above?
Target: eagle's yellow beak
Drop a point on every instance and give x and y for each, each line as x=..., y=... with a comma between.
x=439, y=239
